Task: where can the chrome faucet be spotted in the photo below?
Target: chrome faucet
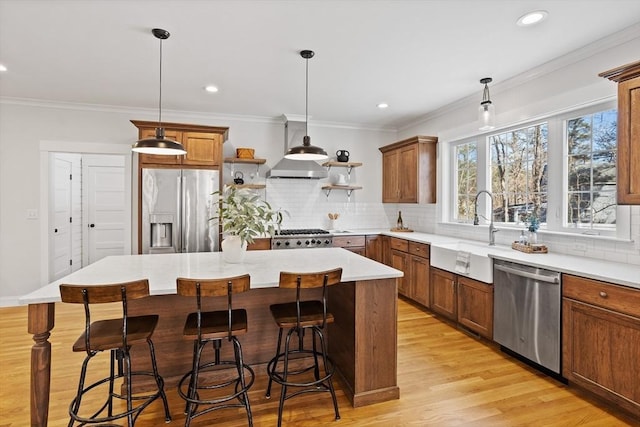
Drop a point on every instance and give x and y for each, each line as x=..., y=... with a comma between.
x=492, y=229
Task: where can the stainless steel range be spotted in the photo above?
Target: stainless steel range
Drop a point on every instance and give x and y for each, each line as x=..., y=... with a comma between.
x=302, y=238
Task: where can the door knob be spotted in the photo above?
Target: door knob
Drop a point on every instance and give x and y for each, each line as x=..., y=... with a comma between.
x=92, y=225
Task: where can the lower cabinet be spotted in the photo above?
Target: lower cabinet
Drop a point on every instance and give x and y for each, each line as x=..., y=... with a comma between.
x=466, y=301
x=475, y=306
x=413, y=259
x=259, y=244
x=374, y=247
x=601, y=340
x=443, y=293
x=354, y=244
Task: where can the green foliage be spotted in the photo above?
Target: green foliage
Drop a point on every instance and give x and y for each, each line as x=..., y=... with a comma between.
x=534, y=223
x=244, y=214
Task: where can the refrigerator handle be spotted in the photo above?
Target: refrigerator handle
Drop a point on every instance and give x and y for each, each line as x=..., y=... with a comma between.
x=180, y=240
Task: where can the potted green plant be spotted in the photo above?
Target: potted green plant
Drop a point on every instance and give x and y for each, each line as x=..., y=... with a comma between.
x=243, y=216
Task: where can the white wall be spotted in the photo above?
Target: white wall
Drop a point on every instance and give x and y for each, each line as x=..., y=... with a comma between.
x=564, y=84
x=26, y=126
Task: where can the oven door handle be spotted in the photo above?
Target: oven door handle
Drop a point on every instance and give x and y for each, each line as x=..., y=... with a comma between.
x=539, y=277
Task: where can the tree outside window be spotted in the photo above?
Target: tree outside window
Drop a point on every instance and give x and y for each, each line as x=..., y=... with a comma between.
x=519, y=174
x=591, y=170
x=466, y=180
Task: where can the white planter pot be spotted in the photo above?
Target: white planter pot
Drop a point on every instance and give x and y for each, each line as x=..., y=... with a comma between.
x=233, y=249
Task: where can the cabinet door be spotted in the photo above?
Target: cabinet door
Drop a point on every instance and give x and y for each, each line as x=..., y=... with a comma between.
x=203, y=149
x=475, y=306
x=399, y=261
x=600, y=352
x=419, y=288
x=155, y=159
x=390, y=174
x=443, y=293
x=628, y=137
x=374, y=248
x=408, y=174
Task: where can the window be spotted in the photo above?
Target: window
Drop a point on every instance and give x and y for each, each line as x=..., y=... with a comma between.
x=591, y=170
x=519, y=174
x=466, y=179
x=562, y=170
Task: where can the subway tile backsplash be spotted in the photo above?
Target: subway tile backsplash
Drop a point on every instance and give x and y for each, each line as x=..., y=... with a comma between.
x=306, y=205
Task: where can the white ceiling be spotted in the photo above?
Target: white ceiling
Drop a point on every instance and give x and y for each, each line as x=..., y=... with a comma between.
x=415, y=55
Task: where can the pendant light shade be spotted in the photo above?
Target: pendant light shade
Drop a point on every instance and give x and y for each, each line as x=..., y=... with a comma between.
x=486, y=111
x=306, y=151
x=159, y=144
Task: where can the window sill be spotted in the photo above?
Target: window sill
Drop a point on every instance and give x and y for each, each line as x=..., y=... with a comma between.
x=576, y=234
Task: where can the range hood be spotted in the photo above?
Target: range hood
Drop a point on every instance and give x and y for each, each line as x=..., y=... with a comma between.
x=294, y=131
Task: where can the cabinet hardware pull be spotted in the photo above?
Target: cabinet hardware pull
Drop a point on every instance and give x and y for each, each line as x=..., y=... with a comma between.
x=603, y=294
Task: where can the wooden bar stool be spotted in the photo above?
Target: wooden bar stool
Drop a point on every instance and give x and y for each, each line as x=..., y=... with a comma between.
x=297, y=317
x=117, y=335
x=214, y=326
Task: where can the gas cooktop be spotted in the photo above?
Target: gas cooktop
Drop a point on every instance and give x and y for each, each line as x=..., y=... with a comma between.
x=301, y=238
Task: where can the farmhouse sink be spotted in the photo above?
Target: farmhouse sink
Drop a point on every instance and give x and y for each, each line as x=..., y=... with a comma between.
x=444, y=256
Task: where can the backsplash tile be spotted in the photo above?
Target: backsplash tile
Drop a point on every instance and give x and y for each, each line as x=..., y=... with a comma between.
x=308, y=207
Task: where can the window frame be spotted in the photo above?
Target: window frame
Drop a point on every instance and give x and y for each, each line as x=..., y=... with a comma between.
x=557, y=163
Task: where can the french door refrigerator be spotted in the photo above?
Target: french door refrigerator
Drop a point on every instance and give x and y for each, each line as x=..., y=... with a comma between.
x=176, y=207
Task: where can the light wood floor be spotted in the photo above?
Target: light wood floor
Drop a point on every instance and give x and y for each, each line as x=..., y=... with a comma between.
x=446, y=378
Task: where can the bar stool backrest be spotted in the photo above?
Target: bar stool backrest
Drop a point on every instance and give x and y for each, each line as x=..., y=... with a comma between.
x=213, y=288
x=290, y=280
x=101, y=294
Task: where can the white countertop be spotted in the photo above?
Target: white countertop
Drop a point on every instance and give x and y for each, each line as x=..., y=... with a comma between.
x=608, y=271
x=263, y=266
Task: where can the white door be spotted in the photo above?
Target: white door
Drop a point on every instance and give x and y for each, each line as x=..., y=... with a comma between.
x=104, y=207
x=60, y=217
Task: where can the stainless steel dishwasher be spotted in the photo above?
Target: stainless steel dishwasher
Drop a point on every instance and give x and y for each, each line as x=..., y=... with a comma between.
x=527, y=312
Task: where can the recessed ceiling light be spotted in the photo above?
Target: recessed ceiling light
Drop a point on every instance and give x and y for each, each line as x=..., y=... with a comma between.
x=211, y=89
x=532, y=18
x=3, y=68
x=383, y=105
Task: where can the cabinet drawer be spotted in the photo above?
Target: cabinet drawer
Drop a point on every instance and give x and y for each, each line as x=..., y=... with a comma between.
x=399, y=244
x=419, y=249
x=613, y=297
x=348, y=241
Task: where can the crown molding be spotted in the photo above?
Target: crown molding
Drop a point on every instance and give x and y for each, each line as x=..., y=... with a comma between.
x=601, y=45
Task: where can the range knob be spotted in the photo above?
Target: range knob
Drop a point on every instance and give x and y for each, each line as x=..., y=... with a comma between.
x=313, y=241
x=286, y=243
x=326, y=242
x=298, y=243
x=306, y=242
x=278, y=243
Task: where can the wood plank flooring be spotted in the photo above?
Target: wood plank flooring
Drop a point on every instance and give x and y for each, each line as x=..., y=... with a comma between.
x=446, y=378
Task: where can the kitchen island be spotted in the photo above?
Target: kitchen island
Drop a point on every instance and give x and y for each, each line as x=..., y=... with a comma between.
x=362, y=340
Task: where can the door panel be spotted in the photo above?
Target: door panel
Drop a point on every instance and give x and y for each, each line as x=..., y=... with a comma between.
x=105, y=210
x=60, y=230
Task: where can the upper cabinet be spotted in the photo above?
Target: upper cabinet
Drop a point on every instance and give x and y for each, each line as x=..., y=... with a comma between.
x=409, y=170
x=628, y=79
x=203, y=144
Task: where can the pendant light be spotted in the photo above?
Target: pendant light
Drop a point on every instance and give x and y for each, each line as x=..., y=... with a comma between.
x=306, y=151
x=486, y=111
x=159, y=144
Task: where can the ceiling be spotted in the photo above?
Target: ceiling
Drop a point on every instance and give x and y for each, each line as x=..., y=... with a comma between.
x=414, y=55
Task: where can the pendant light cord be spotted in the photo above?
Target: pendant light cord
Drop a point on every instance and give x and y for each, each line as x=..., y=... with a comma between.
x=160, y=97
x=306, y=106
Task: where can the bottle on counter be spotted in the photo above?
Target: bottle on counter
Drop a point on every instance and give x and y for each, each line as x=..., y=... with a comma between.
x=400, y=224
x=524, y=240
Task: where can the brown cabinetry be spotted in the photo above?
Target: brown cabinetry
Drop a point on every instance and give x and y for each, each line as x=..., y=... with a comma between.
x=443, y=293
x=354, y=244
x=475, y=306
x=374, y=247
x=203, y=144
x=413, y=257
x=409, y=171
x=628, y=180
x=601, y=339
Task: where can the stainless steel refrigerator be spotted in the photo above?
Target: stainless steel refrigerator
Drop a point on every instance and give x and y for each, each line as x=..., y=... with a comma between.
x=176, y=207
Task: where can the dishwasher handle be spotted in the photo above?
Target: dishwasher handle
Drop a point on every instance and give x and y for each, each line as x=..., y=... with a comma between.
x=542, y=278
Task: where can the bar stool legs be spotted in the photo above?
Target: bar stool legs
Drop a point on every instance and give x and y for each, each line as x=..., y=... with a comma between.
x=317, y=384
x=240, y=383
